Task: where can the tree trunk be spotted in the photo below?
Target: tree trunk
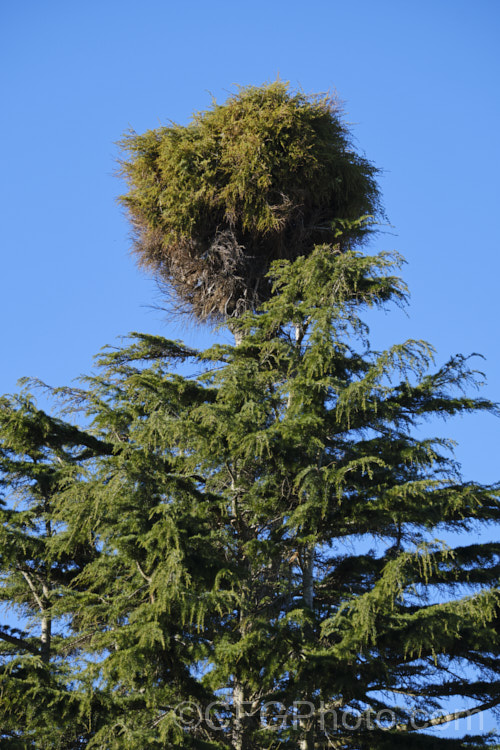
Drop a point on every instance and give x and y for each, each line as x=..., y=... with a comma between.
x=307, y=741
x=46, y=626
x=238, y=337
x=46, y=636
x=238, y=719
x=308, y=576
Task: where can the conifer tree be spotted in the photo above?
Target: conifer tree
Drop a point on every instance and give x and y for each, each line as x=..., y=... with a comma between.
x=39, y=456
x=243, y=545
x=269, y=571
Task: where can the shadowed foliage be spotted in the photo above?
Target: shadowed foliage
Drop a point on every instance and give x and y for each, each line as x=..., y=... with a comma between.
x=265, y=176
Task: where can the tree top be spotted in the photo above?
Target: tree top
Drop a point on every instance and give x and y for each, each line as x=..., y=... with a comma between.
x=267, y=175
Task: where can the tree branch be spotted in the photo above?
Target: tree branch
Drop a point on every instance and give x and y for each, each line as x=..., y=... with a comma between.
x=33, y=590
x=445, y=718
x=20, y=642
x=143, y=574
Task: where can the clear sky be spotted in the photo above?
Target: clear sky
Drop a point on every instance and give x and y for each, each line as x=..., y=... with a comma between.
x=420, y=85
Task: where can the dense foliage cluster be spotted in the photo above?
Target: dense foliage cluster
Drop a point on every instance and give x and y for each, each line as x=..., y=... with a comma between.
x=241, y=548
x=267, y=175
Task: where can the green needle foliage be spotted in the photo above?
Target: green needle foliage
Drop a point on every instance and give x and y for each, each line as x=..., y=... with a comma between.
x=244, y=543
x=267, y=175
x=40, y=456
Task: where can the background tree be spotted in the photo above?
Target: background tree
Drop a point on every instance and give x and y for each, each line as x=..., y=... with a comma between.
x=40, y=456
x=267, y=175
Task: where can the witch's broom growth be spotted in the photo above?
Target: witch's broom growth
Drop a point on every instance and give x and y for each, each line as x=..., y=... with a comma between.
x=267, y=175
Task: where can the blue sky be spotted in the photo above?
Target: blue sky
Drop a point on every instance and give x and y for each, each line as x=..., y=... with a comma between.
x=420, y=85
